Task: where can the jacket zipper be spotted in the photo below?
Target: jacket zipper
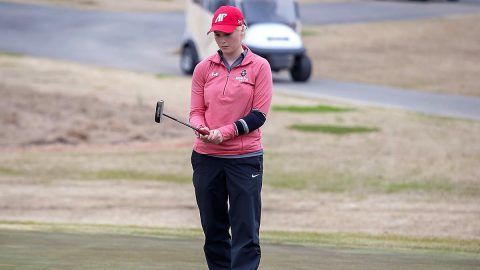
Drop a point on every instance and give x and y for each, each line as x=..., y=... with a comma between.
x=228, y=76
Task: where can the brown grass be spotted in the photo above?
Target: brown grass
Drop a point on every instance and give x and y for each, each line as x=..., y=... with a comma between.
x=409, y=151
x=438, y=55
x=57, y=104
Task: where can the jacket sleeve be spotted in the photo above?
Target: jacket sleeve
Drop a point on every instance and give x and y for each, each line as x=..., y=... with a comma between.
x=262, y=97
x=197, y=102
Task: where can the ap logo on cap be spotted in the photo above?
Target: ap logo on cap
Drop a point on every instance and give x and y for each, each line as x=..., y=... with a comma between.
x=220, y=17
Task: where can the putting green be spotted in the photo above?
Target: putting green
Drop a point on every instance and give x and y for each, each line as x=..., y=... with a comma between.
x=52, y=250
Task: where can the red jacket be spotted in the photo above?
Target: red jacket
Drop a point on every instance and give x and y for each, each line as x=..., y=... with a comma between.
x=219, y=99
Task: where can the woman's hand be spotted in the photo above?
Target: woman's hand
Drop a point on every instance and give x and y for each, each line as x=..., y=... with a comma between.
x=214, y=136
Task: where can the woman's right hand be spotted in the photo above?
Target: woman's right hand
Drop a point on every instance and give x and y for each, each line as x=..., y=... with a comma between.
x=201, y=131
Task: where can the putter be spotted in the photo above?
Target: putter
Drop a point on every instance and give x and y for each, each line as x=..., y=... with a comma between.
x=159, y=113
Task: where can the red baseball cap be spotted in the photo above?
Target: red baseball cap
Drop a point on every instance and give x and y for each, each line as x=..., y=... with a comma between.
x=226, y=19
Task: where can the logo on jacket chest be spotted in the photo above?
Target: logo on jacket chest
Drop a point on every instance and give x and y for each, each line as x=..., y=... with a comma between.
x=243, y=76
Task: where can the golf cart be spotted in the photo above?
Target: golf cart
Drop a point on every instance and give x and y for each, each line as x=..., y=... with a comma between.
x=273, y=33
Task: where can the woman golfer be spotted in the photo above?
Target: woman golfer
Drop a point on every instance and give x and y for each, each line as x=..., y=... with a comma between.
x=231, y=95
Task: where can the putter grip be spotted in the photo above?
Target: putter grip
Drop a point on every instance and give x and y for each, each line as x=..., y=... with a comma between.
x=203, y=132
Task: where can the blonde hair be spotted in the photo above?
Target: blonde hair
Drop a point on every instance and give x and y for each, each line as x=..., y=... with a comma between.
x=242, y=28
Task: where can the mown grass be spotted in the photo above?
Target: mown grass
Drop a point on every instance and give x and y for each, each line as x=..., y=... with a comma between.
x=353, y=240
x=10, y=54
x=173, y=166
x=322, y=182
x=134, y=175
x=333, y=129
x=373, y=241
x=161, y=76
x=311, y=109
x=441, y=186
x=345, y=183
x=308, y=33
x=166, y=165
x=11, y=172
x=108, y=174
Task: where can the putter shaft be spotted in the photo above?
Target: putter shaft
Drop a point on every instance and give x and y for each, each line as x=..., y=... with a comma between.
x=203, y=132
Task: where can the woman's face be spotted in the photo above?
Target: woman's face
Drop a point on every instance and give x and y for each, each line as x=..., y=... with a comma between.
x=230, y=43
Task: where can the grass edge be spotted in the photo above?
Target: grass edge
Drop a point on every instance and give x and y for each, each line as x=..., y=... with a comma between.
x=331, y=239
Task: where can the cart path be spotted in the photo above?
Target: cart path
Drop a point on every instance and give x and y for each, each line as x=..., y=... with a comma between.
x=143, y=42
x=411, y=100
x=54, y=250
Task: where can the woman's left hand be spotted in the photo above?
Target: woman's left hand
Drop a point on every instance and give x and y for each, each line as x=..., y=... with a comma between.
x=215, y=137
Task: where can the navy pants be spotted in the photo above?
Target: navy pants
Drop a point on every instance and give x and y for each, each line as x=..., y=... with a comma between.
x=228, y=197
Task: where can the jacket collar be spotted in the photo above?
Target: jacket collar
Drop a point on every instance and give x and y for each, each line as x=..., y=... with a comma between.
x=246, y=60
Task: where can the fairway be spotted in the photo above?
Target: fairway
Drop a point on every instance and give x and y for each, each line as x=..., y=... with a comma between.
x=51, y=250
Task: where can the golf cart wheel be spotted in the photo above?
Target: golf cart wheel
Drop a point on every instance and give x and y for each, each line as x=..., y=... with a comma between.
x=302, y=69
x=189, y=59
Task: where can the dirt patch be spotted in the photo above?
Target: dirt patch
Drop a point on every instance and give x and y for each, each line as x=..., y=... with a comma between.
x=30, y=118
x=73, y=104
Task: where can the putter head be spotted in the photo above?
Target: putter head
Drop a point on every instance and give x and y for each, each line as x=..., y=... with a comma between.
x=159, y=111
